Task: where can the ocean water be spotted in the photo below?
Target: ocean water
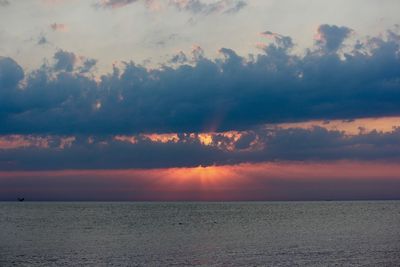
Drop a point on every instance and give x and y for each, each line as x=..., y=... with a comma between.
x=201, y=234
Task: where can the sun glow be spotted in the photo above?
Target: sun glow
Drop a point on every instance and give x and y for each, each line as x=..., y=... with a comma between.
x=203, y=177
x=263, y=181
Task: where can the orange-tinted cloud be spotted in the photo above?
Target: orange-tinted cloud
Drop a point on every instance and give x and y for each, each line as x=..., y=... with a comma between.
x=20, y=141
x=162, y=138
x=59, y=27
x=384, y=124
x=316, y=141
x=9, y=142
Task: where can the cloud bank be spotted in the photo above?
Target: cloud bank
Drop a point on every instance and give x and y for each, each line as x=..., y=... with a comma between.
x=200, y=94
x=265, y=144
x=198, y=7
x=206, y=128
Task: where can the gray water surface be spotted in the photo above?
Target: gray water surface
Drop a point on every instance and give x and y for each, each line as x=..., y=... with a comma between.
x=205, y=234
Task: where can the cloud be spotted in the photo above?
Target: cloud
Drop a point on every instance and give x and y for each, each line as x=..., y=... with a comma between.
x=265, y=144
x=10, y=73
x=69, y=62
x=88, y=65
x=42, y=40
x=64, y=60
x=284, y=42
x=179, y=58
x=231, y=92
x=331, y=37
x=59, y=27
x=21, y=141
x=191, y=6
x=200, y=7
x=115, y=3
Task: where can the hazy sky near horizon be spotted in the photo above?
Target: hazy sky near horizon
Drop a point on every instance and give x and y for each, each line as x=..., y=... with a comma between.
x=199, y=99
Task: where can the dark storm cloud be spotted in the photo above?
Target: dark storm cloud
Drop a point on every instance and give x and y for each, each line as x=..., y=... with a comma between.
x=10, y=73
x=228, y=93
x=261, y=145
x=64, y=60
x=331, y=37
x=69, y=62
x=88, y=65
x=179, y=58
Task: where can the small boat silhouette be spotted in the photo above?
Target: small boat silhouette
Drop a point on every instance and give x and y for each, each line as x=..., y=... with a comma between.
x=21, y=199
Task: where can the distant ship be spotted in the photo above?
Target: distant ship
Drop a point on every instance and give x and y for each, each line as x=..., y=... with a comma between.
x=21, y=199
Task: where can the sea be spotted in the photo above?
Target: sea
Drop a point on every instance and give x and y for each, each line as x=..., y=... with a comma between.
x=326, y=233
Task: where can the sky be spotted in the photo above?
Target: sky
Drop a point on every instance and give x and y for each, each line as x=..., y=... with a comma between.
x=210, y=100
